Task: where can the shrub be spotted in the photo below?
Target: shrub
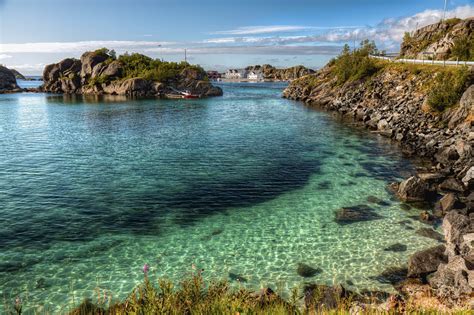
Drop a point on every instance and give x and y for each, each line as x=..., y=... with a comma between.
x=447, y=88
x=463, y=48
x=355, y=65
x=138, y=65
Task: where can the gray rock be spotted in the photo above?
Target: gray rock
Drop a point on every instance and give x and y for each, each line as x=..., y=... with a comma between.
x=7, y=80
x=451, y=281
x=413, y=189
x=426, y=261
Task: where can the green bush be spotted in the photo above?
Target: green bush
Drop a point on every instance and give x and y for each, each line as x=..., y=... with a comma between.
x=355, y=65
x=448, y=88
x=463, y=48
x=138, y=65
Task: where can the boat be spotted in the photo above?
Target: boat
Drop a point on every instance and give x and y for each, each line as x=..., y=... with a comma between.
x=187, y=94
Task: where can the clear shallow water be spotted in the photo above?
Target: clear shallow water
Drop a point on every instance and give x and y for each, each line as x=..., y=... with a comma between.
x=91, y=189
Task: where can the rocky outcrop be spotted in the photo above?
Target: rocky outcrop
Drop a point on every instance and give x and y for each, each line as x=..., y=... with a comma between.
x=393, y=104
x=453, y=280
x=273, y=74
x=18, y=75
x=437, y=40
x=96, y=73
x=8, y=81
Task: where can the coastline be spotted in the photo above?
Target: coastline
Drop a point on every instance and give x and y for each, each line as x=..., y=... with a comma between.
x=393, y=104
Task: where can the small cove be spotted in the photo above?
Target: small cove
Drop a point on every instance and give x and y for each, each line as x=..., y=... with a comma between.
x=244, y=186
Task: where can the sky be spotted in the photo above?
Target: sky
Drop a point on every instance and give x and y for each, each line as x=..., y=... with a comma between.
x=217, y=34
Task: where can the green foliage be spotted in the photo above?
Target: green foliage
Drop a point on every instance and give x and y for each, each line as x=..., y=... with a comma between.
x=463, y=48
x=138, y=65
x=355, y=65
x=447, y=88
x=98, y=80
x=192, y=297
x=109, y=54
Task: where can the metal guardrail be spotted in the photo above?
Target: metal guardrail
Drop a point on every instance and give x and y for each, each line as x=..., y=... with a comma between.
x=427, y=62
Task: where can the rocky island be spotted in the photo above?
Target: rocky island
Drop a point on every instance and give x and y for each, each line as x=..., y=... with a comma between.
x=8, y=81
x=101, y=72
x=429, y=111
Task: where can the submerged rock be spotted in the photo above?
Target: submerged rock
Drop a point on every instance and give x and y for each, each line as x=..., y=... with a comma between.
x=392, y=275
x=378, y=201
x=348, y=215
x=430, y=233
x=307, y=271
x=237, y=277
x=396, y=248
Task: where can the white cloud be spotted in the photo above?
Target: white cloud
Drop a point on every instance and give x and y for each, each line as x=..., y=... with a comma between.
x=38, y=67
x=76, y=47
x=253, y=30
x=388, y=33
x=392, y=30
x=248, y=30
x=255, y=50
x=4, y=56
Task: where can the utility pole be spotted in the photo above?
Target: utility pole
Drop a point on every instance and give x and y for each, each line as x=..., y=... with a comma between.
x=445, y=7
x=161, y=52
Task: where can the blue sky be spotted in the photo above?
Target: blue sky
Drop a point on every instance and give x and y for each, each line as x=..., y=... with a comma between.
x=217, y=34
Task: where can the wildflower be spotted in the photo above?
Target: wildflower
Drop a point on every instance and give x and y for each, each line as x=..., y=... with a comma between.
x=18, y=306
x=193, y=266
x=146, y=268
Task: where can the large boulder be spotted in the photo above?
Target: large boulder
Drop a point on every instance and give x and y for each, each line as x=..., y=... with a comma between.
x=7, y=80
x=426, y=261
x=451, y=281
x=465, y=110
x=455, y=225
x=62, y=77
x=89, y=60
x=131, y=87
x=413, y=189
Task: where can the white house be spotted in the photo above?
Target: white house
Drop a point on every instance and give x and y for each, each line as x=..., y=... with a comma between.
x=255, y=76
x=236, y=74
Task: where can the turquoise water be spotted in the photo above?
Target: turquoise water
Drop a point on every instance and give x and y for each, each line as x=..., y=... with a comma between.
x=246, y=184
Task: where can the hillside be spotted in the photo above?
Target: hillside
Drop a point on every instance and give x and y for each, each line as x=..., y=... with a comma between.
x=101, y=72
x=272, y=73
x=447, y=40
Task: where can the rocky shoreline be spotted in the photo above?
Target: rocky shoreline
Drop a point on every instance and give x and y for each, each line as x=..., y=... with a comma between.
x=394, y=104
